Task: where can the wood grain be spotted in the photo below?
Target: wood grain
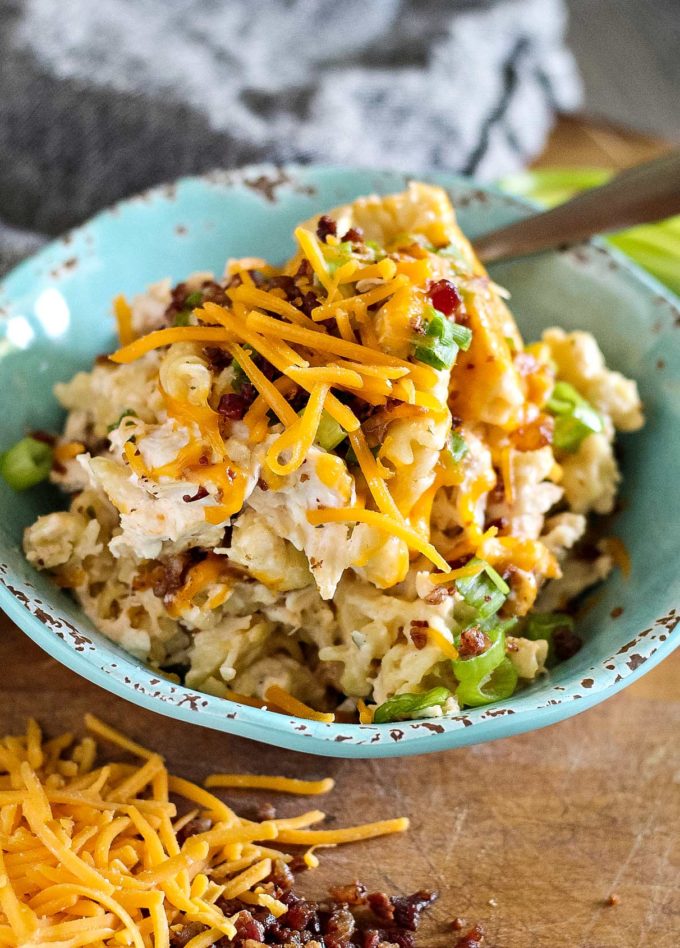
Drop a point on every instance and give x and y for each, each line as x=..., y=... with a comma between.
x=529, y=835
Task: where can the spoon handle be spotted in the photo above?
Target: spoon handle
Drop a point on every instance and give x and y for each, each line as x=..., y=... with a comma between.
x=647, y=192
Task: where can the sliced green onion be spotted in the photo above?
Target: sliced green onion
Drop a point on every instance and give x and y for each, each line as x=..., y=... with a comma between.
x=477, y=667
x=239, y=376
x=124, y=414
x=496, y=579
x=462, y=336
x=437, y=346
x=543, y=625
x=26, y=463
x=457, y=447
x=194, y=299
x=182, y=318
x=575, y=418
x=337, y=255
x=329, y=434
x=500, y=684
x=484, y=592
x=401, y=707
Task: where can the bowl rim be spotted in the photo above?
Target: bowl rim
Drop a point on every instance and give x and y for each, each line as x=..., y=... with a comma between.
x=142, y=686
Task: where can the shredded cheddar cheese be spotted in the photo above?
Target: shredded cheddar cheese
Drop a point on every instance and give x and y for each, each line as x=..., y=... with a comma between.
x=311, y=248
x=336, y=837
x=123, y=313
x=442, y=642
x=92, y=856
x=267, y=389
x=299, y=436
x=374, y=475
x=278, y=784
x=326, y=343
x=68, y=450
x=286, y=702
x=267, y=301
x=471, y=570
x=202, y=576
x=165, y=337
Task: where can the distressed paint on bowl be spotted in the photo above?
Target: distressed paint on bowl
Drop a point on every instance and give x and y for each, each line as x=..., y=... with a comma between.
x=55, y=317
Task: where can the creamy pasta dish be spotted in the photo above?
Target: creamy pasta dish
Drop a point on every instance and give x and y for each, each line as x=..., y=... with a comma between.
x=344, y=486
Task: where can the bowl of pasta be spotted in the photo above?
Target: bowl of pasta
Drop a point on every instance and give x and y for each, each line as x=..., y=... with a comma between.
x=284, y=460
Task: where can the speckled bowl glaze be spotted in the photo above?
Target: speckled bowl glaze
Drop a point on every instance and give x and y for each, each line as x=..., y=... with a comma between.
x=55, y=320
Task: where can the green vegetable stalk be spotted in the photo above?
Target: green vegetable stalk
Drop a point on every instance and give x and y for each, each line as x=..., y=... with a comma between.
x=575, y=418
x=26, y=463
x=402, y=707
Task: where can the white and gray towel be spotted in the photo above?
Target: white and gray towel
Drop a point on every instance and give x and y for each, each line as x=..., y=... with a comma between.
x=101, y=98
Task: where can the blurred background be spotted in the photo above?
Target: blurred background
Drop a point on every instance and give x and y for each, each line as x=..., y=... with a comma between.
x=101, y=99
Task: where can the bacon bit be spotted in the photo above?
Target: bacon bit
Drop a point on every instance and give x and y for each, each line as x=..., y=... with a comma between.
x=419, y=636
x=199, y=495
x=437, y=595
x=354, y=893
x=381, y=906
x=217, y=358
x=308, y=302
x=214, y=293
x=326, y=227
x=233, y=406
x=458, y=924
x=305, y=271
x=407, y=908
x=473, y=641
x=613, y=899
x=260, y=812
x=472, y=939
x=354, y=235
x=43, y=436
x=200, y=824
x=444, y=297
x=178, y=302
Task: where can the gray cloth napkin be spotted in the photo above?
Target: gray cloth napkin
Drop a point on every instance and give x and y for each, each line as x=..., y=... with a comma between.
x=100, y=98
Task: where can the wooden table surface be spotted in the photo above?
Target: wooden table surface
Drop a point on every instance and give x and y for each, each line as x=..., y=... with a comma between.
x=529, y=835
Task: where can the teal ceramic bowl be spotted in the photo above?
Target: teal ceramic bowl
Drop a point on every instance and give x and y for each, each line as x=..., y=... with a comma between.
x=55, y=320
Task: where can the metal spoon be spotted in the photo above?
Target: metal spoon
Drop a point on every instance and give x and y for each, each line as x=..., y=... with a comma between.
x=647, y=192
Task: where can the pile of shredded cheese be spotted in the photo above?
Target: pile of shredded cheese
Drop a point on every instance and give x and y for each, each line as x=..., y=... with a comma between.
x=90, y=855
